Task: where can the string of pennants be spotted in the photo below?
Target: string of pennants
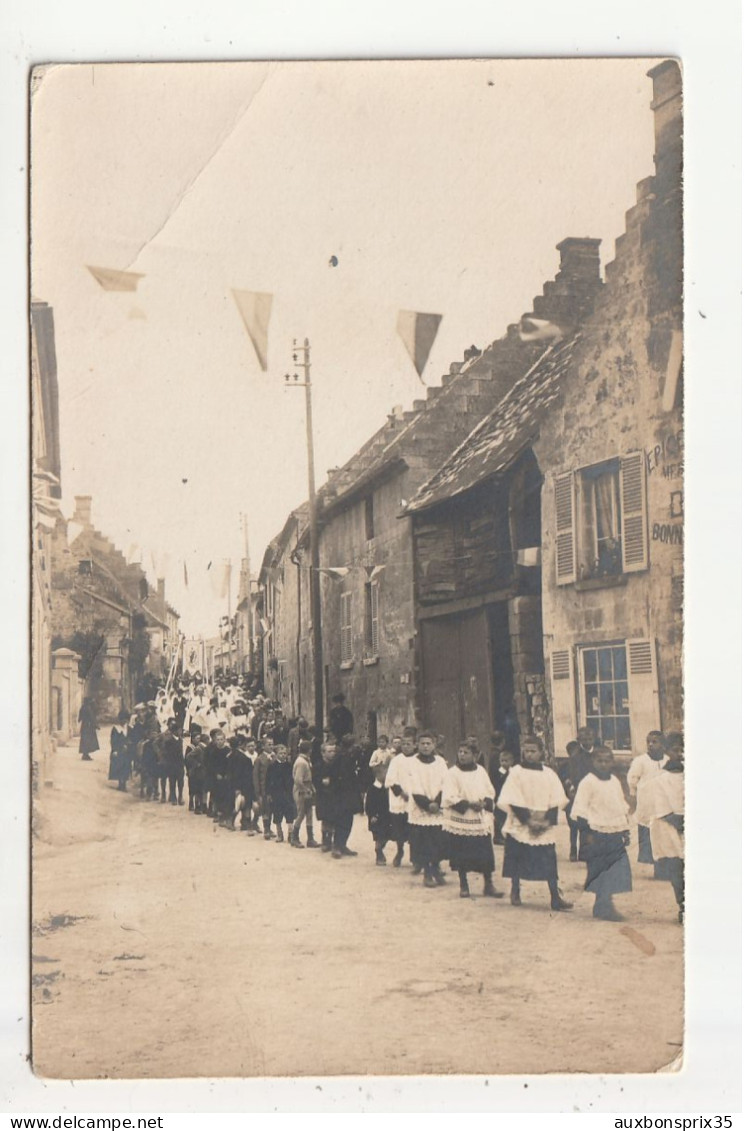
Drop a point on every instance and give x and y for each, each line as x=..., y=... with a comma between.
x=417, y=330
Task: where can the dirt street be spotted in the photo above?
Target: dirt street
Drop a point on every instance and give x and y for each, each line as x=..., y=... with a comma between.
x=164, y=946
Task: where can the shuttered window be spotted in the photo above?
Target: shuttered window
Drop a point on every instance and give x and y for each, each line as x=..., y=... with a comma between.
x=644, y=691
x=565, y=541
x=347, y=647
x=633, y=505
x=563, y=699
x=371, y=618
x=601, y=527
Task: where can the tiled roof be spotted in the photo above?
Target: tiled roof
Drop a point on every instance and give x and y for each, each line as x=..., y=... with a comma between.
x=504, y=433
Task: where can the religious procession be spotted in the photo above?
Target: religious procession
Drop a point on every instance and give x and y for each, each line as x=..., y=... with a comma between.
x=239, y=761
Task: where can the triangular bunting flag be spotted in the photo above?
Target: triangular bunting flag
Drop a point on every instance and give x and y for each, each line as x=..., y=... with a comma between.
x=417, y=332
x=254, y=308
x=112, y=280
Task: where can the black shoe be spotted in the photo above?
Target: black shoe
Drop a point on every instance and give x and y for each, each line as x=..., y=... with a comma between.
x=464, y=893
x=429, y=882
x=491, y=891
x=336, y=854
x=416, y=870
x=515, y=899
x=439, y=879
x=348, y=852
x=398, y=859
x=86, y=758
x=561, y=905
x=609, y=914
x=573, y=857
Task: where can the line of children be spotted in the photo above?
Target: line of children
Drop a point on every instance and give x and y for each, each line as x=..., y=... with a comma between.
x=451, y=813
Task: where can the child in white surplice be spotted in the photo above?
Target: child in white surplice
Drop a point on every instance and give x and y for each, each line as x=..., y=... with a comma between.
x=532, y=797
x=467, y=807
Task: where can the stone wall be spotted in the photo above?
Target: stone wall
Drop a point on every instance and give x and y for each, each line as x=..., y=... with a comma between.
x=623, y=395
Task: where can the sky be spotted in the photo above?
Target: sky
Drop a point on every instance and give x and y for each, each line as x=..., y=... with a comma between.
x=441, y=187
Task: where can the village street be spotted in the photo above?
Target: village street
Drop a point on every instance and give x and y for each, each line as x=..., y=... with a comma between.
x=164, y=946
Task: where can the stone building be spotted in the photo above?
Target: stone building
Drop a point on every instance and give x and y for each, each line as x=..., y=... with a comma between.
x=592, y=538
x=368, y=590
x=104, y=610
x=46, y=491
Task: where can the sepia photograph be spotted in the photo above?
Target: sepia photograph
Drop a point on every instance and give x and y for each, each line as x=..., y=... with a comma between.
x=358, y=482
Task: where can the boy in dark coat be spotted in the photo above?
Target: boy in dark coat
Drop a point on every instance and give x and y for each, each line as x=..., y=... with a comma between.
x=172, y=763
x=279, y=786
x=343, y=798
x=377, y=808
x=215, y=762
x=240, y=777
x=195, y=772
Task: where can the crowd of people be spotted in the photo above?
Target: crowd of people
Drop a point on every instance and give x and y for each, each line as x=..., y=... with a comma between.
x=233, y=756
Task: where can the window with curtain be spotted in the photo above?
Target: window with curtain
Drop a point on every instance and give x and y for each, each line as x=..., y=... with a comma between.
x=601, y=542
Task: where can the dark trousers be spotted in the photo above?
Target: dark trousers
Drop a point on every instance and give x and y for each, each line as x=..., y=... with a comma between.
x=175, y=788
x=342, y=830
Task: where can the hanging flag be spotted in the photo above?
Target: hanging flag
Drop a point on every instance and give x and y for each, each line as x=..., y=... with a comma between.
x=185, y=575
x=254, y=308
x=112, y=280
x=539, y=330
x=417, y=332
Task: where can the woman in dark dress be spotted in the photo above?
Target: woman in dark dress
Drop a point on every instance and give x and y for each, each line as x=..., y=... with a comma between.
x=120, y=764
x=88, y=732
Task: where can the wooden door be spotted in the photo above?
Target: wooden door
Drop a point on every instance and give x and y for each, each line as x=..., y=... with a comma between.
x=457, y=678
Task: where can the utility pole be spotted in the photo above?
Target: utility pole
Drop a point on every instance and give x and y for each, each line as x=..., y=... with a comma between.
x=301, y=358
x=229, y=615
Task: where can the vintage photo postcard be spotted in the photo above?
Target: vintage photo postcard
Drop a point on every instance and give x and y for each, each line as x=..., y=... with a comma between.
x=357, y=568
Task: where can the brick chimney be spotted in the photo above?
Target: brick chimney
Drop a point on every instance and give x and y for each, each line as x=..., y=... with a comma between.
x=579, y=259
x=662, y=230
x=568, y=299
x=83, y=504
x=161, y=589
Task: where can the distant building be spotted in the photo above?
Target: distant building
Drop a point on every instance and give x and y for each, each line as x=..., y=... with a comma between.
x=104, y=609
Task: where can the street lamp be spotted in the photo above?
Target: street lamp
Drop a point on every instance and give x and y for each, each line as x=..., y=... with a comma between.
x=301, y=358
